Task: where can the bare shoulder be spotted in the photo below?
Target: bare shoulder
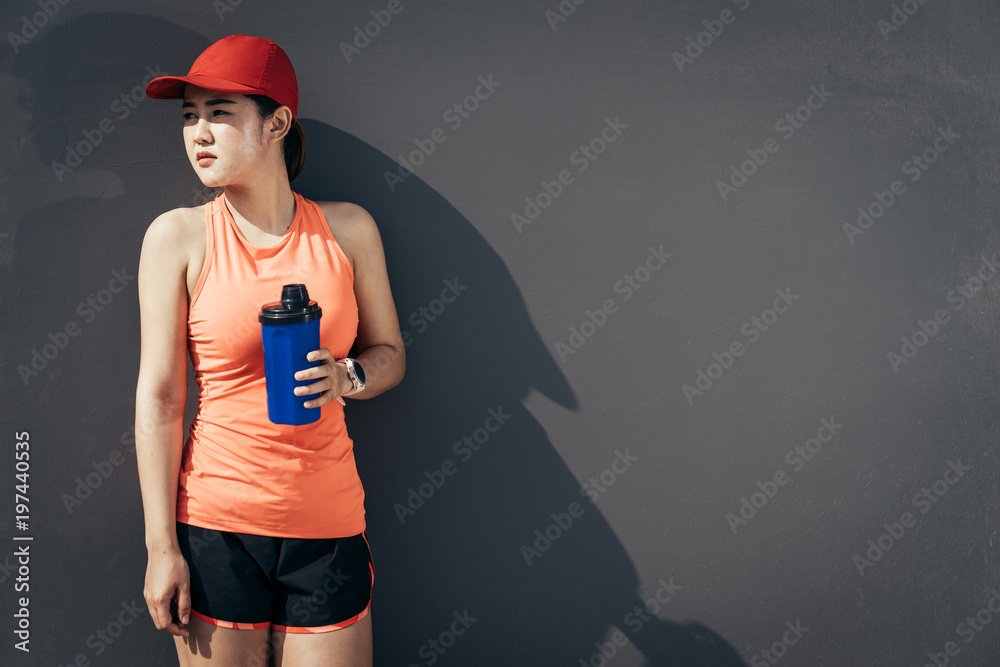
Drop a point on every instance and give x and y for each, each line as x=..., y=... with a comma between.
x=177, y=229
x=353, y=227
x=175, y=242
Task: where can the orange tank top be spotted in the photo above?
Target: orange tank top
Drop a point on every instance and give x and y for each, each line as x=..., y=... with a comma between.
x=239, y=471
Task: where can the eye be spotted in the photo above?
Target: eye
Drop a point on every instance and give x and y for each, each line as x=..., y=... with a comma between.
x=190, y=115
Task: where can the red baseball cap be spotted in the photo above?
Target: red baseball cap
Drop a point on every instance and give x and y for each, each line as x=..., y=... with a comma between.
x=236, y=64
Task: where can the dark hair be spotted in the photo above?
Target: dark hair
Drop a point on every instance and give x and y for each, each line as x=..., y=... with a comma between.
x=294, y=143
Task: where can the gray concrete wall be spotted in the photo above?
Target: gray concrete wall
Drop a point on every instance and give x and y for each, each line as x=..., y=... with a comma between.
x=723, y=281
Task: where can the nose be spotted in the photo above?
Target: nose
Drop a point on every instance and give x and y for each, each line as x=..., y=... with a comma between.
x=202, y=131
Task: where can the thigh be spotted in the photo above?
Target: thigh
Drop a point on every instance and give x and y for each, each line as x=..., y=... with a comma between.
x=346, y=647
x=210, y=644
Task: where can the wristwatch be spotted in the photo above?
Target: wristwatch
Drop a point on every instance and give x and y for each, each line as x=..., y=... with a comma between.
x=356, y=373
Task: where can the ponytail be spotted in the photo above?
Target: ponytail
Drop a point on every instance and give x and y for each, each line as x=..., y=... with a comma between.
x=295, y=150
x=294, y=143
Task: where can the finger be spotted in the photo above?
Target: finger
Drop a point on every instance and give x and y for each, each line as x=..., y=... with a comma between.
x=175, y=627
x=155, y=613
x=324, y=385
x=320, y=400
x=160, y=613
x=333, y=386
x=315, y=373
x=317, y=403
x=177, y=630
x=184, y=603
x=322, y=354
x=325, y=369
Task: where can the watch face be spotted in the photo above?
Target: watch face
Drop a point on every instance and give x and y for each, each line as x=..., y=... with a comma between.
x=360, y=372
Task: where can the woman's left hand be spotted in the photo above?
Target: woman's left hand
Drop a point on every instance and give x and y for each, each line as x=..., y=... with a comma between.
x=332, y=379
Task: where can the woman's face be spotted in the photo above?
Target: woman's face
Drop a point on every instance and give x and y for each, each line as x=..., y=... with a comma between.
x=223, y=135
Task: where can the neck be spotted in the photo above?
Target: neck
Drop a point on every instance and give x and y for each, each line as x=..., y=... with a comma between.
x=267, y=204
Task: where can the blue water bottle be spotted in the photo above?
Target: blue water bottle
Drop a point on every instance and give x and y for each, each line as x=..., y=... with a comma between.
x=290, y=330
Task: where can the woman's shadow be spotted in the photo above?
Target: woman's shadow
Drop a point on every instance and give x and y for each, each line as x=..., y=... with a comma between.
x=471, y=511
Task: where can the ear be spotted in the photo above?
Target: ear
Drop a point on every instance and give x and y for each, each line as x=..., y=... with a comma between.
x=279, y=124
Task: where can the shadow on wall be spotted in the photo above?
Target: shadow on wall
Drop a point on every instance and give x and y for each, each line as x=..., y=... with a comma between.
x=460, y=476
x=472, y=513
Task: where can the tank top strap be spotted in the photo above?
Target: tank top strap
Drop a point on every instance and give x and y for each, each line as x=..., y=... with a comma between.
x=312, y=217
x=314, y=220
x=211, y=242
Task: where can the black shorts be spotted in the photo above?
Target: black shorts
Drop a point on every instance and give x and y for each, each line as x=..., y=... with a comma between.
x=287, y=584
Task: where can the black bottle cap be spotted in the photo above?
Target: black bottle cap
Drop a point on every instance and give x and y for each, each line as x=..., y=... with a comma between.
x=294, y=307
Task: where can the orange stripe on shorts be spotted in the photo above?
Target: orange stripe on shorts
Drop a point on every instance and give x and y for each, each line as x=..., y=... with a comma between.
x=230, y=624
x=323, y=628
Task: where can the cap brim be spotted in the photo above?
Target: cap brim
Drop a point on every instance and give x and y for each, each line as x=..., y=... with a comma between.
x=172, y=87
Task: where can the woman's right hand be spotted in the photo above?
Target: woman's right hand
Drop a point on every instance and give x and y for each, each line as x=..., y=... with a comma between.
x=168, y=579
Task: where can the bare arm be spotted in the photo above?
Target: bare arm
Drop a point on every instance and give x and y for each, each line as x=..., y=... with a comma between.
x=379, y=342
x=161, y=393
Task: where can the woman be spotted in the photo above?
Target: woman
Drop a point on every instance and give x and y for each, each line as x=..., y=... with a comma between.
x=255, y=530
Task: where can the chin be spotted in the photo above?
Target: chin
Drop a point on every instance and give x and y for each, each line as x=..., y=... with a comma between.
x=210, y=181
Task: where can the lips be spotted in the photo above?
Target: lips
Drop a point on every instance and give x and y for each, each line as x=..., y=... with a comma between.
x=204, y=158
